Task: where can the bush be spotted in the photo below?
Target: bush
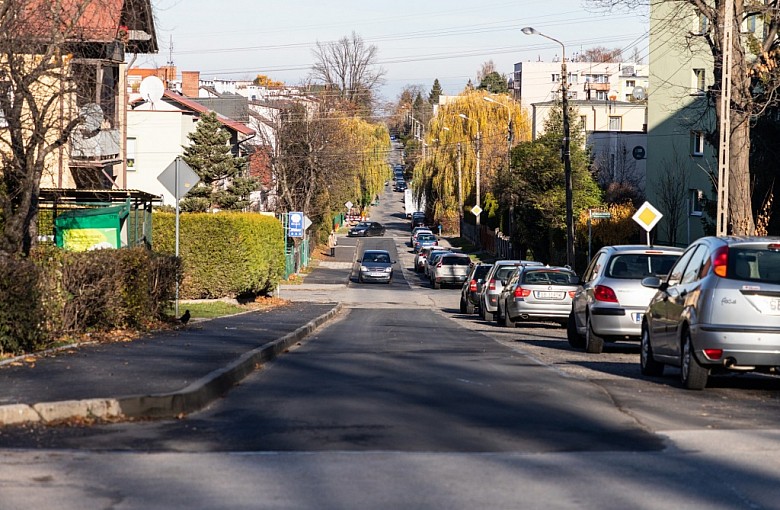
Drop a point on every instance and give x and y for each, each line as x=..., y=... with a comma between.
x=22, y=318
x=224, y=254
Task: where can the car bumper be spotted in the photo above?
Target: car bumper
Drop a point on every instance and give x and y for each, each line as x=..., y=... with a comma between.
x=743, y=348
x=450, y=280
x=617, y=321
x=522, y=310
x=375, y=277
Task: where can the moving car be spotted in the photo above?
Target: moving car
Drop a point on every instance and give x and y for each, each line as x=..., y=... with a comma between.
x=537, y=293
x=717, y=310
x=469, y=292
x=425, y=239
x=375, y=266
x=611, y=302
x=450, y=269
x=367, y=229
x=494, y=282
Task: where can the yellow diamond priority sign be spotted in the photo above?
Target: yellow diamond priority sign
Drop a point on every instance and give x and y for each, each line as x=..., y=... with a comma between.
x=647, y=216
x=476, y=210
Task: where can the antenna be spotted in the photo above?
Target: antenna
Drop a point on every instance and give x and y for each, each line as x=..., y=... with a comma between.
x=170, y=52
x=152, y=89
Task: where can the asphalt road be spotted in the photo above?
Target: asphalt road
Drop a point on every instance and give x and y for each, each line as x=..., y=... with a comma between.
x=405, y=403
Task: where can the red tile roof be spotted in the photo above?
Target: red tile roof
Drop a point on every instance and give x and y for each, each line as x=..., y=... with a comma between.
x=78, y=20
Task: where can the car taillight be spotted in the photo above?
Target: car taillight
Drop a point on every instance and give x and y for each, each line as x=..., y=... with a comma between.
x=439, y=264
x=521, y=292
x=492, y=284
x=720, y=261
x=605, y=294
x=473, y=286
x=572, y=293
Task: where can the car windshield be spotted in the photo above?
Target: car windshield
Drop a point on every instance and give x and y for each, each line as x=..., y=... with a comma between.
x=635, y=266
x=363, y=224
x=376, y=257
x=546, y=277
x=754, y=264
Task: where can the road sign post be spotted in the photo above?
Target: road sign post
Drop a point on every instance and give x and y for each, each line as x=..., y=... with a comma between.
x=595, y=215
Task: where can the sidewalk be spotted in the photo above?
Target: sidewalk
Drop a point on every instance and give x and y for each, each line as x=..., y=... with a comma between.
x=161, y=375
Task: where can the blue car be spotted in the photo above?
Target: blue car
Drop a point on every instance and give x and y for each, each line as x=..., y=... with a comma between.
x=425, y=240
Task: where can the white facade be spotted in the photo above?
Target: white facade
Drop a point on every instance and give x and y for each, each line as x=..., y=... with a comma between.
x=617, y=116
x=537, y=82
x=155, y=138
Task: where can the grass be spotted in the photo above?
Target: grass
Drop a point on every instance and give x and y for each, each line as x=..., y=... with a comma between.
x=211, y=309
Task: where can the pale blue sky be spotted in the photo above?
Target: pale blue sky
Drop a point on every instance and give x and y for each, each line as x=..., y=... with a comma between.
x=417, y=41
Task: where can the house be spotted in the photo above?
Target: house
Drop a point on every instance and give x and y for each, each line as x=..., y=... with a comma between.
x=680, y=165
x=157, y=131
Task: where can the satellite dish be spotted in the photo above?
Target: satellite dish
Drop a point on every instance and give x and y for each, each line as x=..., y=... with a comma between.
x=91, y=116
x=152, y=89
x=639, y=93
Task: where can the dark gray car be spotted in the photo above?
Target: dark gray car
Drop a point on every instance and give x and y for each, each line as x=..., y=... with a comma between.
x=375, y=266
x=469, y=292
x=717, y=310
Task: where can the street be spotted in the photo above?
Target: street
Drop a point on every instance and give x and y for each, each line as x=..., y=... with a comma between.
x=403, y=402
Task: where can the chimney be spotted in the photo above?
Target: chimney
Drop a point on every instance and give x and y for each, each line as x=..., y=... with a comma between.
x=190, y=83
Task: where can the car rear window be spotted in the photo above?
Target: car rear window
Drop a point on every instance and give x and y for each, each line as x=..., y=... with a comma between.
x=503, y=272
x=426, y=237
x=754, y=264
x=455, y=261
x=547, y=278
x=481, y=271
x=635, y=266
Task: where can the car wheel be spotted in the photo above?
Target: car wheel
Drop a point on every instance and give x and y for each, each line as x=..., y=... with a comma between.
x=436, y=285
x=594, y=344
x=470, y=309
x=462, y=305
x=692, y=375
x=509, y=323
x=575, y=339
x=360, y=278
x=647, y=363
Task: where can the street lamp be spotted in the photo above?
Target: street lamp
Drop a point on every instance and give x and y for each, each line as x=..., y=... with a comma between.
x=477, y=177
x=566, y=154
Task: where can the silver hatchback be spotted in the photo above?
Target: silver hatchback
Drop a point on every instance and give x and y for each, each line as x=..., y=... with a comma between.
x=717, y=310
x=537, y=293
x=494, y=282
x=611, y=302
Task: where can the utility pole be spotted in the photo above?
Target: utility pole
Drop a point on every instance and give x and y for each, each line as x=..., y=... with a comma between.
x=724, y=152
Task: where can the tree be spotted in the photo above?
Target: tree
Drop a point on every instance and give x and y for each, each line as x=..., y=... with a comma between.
x=209, y=155
x=602, y=54
x=41, y=53
x=755, y=78
x=433, y=97
x=349, y=68
x=494, y=83
x=264, y=81
x=537, y=183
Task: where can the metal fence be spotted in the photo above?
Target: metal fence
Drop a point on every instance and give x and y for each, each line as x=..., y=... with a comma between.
x=492, y=241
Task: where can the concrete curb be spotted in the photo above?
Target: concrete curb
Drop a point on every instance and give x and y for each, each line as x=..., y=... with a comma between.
x=192, y=398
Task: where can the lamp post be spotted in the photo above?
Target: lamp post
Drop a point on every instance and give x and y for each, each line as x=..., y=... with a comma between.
x=477, y=177
x=566, y=154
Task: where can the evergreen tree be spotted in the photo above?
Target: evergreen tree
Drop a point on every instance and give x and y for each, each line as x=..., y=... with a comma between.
x=210, y=157
x=494, y=83
x=433, y=97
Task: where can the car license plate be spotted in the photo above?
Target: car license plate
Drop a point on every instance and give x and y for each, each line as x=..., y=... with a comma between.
x=637, y=317
x=774, y=306
x=546, y=294
x=378, y=274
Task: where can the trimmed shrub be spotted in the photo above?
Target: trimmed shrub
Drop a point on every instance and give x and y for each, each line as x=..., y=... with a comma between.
x=22, y=318
x=224, y=254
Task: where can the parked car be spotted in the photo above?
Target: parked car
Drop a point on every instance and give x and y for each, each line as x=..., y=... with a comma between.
x=418, y=221
x=366, y=229
x=537, y=293
x=421, y=258
x=718, y=309
x=424, y=239
x=430, y=260
x=611, y=301
x=376, y=266
x=450, y=269
x=494, y=282
x=469, y=292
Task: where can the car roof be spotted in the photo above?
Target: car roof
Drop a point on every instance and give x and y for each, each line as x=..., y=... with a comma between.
x=376, y=251
x=642, y=248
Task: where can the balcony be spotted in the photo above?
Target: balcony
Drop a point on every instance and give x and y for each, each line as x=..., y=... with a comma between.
x=604, y=87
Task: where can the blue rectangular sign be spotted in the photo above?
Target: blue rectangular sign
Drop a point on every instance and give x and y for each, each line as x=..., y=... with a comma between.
x=295, y=224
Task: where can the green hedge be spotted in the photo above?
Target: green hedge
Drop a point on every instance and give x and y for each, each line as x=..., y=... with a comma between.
x=224, y=254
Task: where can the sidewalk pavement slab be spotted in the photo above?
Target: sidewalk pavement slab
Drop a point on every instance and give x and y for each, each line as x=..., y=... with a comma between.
x=161, y=374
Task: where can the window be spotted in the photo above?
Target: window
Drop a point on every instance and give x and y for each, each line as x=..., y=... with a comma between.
x=692, y=271
x=676, y=273
x=699, y=81
x=630, y=83
x=697, y=143
x=615, y=123
x=704, y=23
x=750, y=24
x=695, y=201
x=601, y=95
x=130, y=154
x=556, y=78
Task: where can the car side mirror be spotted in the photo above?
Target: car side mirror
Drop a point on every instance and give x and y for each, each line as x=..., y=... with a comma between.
x=393, y=261
x=652, y=282
x=359, y=261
